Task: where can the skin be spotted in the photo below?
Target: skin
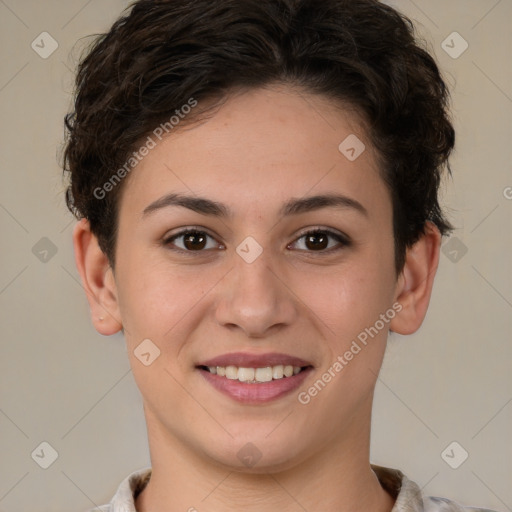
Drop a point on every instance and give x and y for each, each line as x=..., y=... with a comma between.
x=259, y=150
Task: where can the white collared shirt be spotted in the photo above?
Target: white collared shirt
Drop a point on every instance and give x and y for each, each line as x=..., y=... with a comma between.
x=408, y=496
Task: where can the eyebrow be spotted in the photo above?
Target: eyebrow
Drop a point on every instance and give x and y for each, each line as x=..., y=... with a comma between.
x=292, y=207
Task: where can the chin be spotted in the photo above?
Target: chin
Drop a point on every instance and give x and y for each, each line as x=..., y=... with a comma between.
x=259, y=454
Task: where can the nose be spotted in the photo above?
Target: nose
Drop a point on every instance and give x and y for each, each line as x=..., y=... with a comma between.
x=255, y=299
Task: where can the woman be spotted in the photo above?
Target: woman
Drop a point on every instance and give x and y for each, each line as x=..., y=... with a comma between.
x=257, y=183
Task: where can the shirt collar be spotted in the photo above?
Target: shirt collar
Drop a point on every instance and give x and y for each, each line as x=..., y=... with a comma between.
x=407, y=494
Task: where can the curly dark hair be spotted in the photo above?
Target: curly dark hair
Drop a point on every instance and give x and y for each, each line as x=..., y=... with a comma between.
x=162, y=53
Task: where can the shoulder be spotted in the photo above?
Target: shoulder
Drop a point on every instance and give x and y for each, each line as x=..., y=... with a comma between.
x=124, y=498
x=410, y=498
x=435, y=504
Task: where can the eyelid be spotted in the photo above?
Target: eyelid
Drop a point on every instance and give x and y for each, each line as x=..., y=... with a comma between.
x=322, y=229
x=168, y=238
x=343, y=239
x=187, y=229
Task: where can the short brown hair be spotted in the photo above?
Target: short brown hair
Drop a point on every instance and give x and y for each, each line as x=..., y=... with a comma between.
x=164, y=52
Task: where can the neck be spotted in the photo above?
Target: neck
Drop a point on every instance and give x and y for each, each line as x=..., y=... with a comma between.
x=337, y=478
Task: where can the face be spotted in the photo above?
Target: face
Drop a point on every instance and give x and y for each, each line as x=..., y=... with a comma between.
x=262, y=272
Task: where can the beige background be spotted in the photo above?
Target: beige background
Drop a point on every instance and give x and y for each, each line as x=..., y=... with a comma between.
x=63, y=383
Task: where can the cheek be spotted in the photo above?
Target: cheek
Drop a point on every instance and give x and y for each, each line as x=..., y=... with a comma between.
x=349, y=298
x=154, y=296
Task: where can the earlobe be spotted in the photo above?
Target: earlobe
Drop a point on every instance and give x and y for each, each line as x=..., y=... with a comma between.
x=414, y=285
x=97, y=280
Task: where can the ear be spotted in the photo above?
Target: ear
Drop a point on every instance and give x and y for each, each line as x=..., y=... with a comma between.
x=414, y=285
x=97, y=280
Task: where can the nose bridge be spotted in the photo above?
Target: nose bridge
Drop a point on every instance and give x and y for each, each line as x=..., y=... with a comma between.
x=255, y=298
x=257, y=278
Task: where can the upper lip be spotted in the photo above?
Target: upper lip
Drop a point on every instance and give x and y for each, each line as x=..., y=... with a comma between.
x=245, y=360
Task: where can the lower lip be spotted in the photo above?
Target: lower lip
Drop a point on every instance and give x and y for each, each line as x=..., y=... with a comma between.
x=256, y=393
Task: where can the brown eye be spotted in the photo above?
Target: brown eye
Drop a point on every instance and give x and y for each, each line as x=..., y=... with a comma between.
x=317, y=241
x=192, y=241
x=320, y=241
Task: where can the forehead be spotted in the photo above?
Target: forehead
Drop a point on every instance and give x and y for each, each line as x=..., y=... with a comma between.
x=258, y=149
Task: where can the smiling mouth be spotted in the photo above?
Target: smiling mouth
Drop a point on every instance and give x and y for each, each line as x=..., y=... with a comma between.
x=255, y=375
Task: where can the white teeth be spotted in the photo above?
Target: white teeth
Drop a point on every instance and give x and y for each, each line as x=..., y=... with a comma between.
x=263, y=374
x=246, y=374
x=254, y=375
x=231, y=372
x=277, y=371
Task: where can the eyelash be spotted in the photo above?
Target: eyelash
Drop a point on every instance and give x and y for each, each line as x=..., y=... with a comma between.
x=341, y=239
